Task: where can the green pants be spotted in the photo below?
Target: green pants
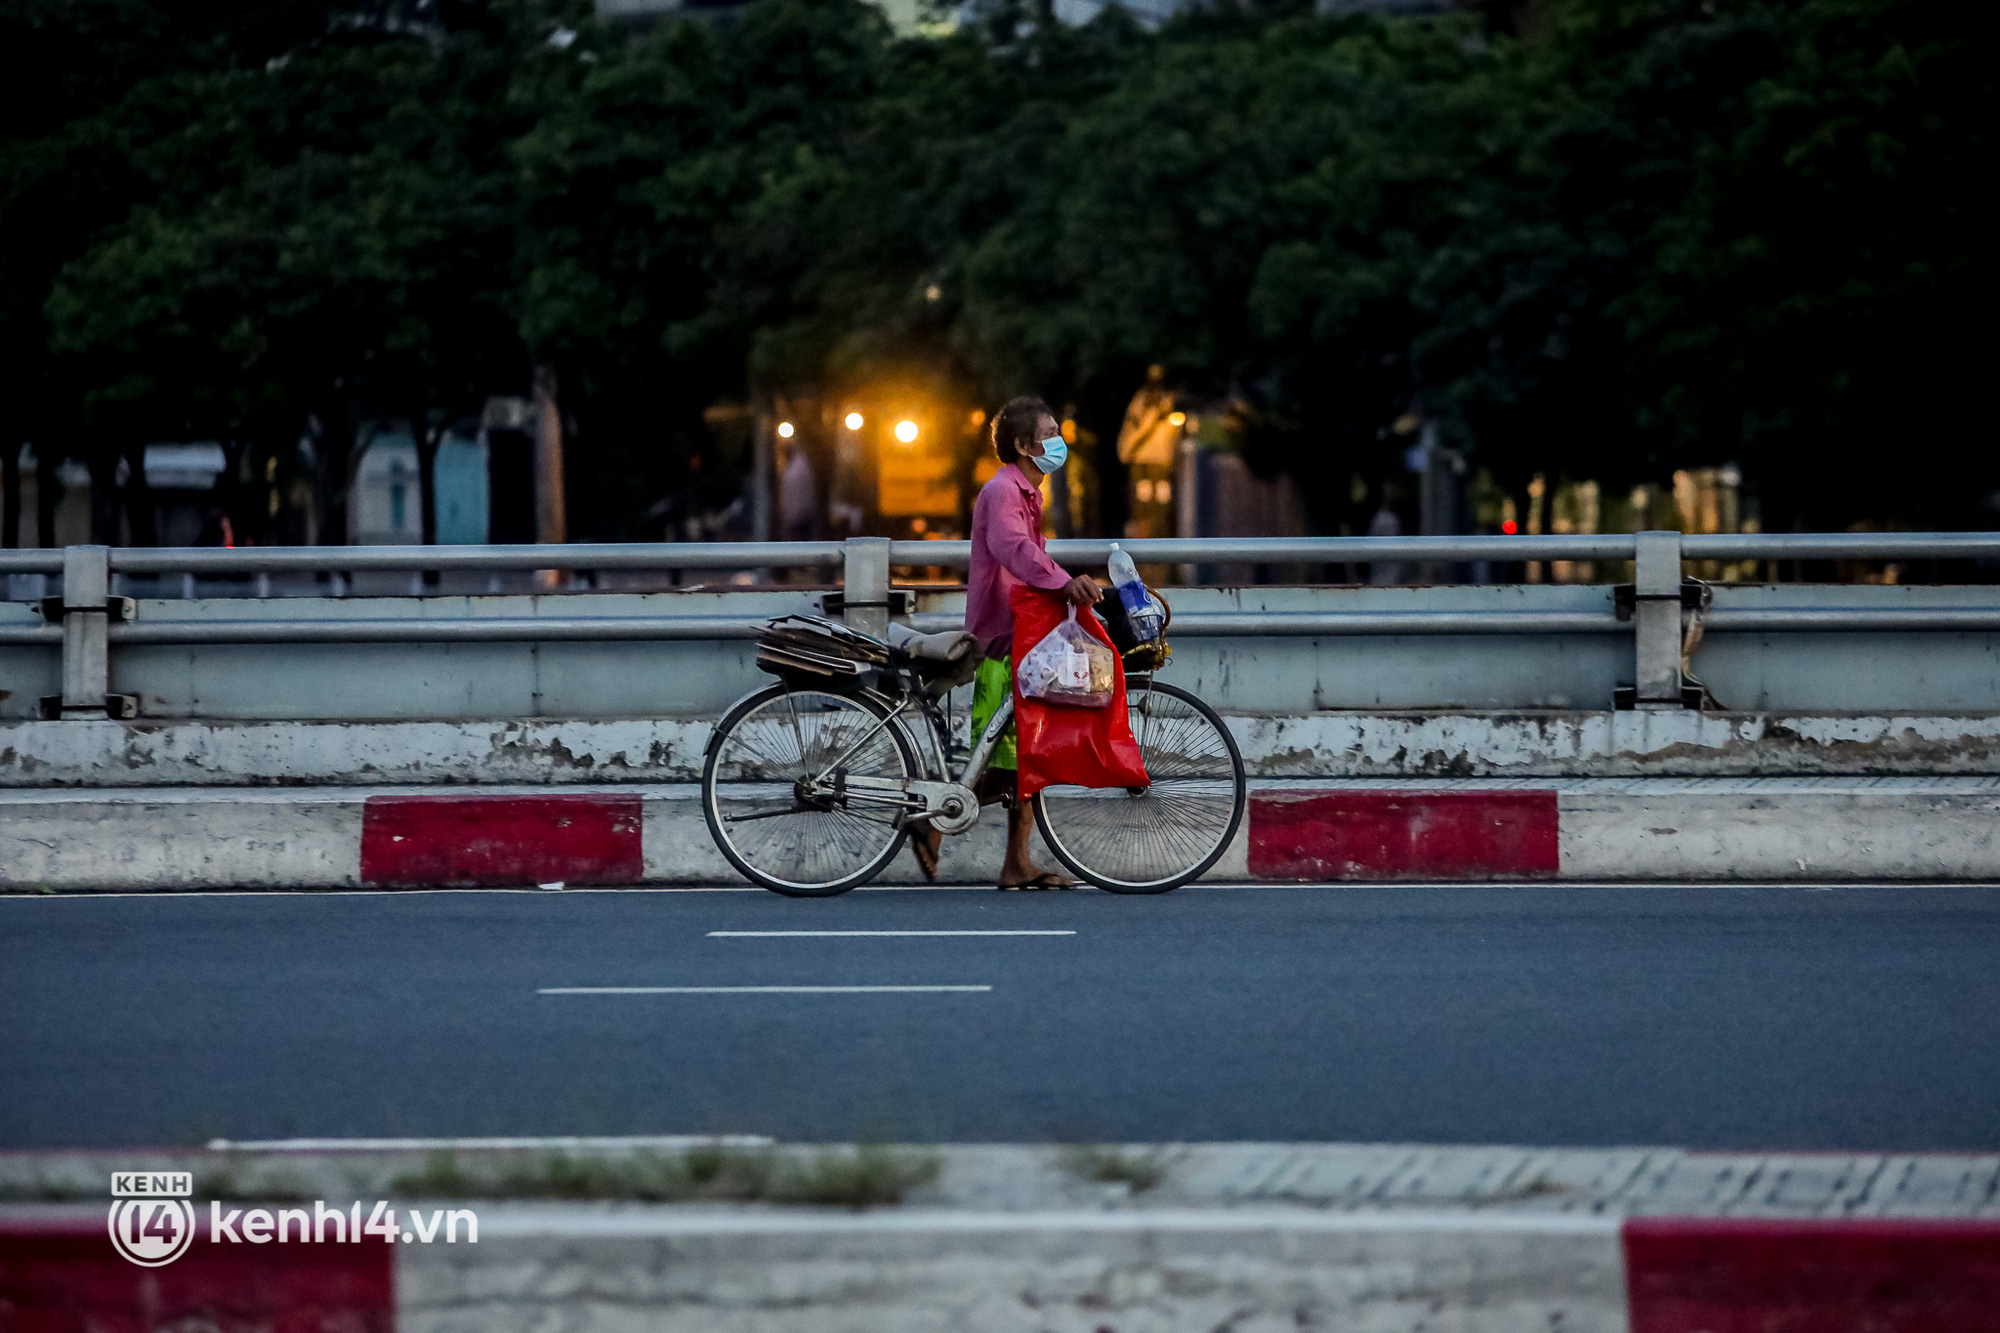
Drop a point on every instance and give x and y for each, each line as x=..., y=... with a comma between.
x=993, y=686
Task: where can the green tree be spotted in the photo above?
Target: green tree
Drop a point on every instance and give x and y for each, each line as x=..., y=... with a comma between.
x=1643, y=234
x=1729, y=230
x=329, y=234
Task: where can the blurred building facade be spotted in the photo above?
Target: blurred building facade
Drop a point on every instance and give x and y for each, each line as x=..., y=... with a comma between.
x=384, y=507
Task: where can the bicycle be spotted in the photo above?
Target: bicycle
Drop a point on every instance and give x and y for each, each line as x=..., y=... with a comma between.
x=811, y=785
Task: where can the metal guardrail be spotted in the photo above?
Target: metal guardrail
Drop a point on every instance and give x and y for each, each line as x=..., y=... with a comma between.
x=1297, y=624
x=1468, y=549
x=957, y=554
x=1840, y=546
x=1263, y=624
x=595, y=555
x=89, y=628
x=470, y=629
x=1299, y=550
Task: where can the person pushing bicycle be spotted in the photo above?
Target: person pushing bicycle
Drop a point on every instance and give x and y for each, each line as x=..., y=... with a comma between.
x=811, y=785
x=1008, y=549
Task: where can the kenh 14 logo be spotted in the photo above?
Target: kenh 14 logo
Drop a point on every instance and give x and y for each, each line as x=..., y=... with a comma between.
x=152, y=1222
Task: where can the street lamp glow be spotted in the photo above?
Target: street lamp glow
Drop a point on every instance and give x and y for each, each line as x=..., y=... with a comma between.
x=784, y=430
x=906, y=431
x=854, y=421
x=1177, y=419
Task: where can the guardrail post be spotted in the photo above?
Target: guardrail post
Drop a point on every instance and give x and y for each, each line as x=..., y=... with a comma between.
x=864, y=599
x=1656, y=620
x=86, y=667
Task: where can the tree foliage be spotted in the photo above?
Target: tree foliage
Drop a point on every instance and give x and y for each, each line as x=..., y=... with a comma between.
x=1634, y=235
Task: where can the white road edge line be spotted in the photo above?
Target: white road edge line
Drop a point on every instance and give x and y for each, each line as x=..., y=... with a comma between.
x=755, y=990
x=842, y=934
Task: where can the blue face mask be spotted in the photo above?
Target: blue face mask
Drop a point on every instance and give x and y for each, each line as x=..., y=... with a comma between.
x=1054, y=454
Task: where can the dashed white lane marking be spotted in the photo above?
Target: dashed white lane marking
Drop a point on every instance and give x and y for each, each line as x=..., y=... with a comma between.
x=841, y=934
x=756, y=990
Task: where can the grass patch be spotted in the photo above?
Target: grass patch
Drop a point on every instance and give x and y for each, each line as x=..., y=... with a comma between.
x=276, y=1187
x=1113, y=1166
x=863, y=1178
x=49, y=1191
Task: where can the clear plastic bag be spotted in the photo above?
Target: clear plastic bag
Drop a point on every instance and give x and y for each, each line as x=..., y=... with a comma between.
x=1069, y=666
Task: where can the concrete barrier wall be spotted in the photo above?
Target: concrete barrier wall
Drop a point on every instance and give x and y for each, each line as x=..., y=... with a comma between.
x=1746, y=829
x=1684, y=743
x=307, y=765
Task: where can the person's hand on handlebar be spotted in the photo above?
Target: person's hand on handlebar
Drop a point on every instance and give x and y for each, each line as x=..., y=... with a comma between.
x=1083, y=591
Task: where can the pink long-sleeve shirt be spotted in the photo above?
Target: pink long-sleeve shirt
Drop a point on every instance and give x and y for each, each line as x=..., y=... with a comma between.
x=1007, y=548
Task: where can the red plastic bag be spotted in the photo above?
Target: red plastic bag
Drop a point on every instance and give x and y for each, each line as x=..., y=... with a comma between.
x=1059, y=745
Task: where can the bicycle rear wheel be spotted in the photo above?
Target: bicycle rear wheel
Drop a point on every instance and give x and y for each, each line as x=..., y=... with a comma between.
x=1155, y=838
x=762, y=749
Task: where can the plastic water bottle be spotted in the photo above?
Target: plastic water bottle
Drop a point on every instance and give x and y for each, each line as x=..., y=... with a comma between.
x=1140, y=608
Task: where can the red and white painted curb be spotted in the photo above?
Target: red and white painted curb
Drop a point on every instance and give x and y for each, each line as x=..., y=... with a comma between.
x=430, y=838
x=1407, y=833
x=1724, y=1275
x=1680, y=1274
x=1757, y=829
x=65, y=1277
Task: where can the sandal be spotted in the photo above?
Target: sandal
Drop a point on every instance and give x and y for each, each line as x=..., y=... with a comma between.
x=1048, y=879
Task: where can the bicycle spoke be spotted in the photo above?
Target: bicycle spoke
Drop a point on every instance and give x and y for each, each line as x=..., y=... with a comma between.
x=794, y=735
x=1170, y=830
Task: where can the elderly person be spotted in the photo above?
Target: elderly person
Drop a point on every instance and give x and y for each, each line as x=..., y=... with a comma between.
x=1008, y=549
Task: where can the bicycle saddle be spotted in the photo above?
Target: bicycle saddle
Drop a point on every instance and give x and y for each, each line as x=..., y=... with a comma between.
x=945, y=646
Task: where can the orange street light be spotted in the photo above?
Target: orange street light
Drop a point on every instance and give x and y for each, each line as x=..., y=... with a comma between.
x=1177, y=418
x=906, y=431
x=784, y=430
x=854, y=421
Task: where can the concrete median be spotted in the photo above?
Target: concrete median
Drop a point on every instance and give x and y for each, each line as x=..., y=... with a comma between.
x=1239, y=1236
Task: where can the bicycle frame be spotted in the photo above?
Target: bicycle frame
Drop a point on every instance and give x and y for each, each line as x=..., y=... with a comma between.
x=935, y=800
x=975, y=765
x=948, y=805
x=988, y=742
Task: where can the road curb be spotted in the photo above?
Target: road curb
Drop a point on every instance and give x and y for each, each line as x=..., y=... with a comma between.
x=790, y=1272
x=1748, y=829
x=1007, y=1238
x=1739, y=1275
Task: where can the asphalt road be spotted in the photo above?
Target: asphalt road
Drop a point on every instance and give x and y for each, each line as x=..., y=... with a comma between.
x=1845, y=1018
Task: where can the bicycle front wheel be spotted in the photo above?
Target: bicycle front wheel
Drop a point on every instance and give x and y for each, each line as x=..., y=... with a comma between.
x=1152, y=839
x=802, y=847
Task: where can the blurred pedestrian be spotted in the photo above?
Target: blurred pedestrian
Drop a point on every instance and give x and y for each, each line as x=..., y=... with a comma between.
x=1385, y=573
x=797, y=500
